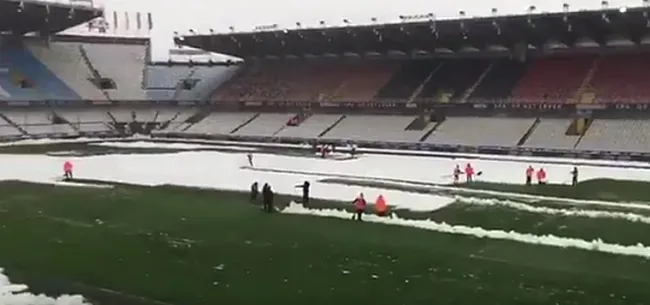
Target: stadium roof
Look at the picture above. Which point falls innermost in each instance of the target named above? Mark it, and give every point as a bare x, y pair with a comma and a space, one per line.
21, 17
589, 29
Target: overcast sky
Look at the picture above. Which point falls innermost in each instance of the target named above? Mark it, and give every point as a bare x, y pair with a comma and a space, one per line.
201, 15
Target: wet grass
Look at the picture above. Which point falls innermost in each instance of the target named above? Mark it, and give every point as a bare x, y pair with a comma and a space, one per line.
195, 247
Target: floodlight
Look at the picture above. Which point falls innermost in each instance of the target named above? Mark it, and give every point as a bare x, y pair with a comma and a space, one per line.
623, 9
604, 4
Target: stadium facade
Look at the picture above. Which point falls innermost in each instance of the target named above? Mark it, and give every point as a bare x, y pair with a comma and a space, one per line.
569, 84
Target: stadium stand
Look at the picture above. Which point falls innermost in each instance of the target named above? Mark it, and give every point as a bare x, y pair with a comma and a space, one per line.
375, 128
478, 131
630, 135
500, 80
87, 121
312, 127
386, 85
453, 79
362, 80
622, 79
265, 125
64, 60
551, 133
25, 78
221, 123
119, 67
404, 82
176, 81
555, 79
38, 123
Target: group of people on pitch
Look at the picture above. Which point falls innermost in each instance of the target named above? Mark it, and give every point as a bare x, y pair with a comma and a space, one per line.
540, 174
360, 204
469, 173
267, 196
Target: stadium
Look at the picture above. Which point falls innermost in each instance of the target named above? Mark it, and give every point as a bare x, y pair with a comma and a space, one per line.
503, 159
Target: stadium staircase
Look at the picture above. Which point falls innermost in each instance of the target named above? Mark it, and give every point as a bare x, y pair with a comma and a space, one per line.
59, 119
439, 119
583, 132
12, 123
332, 126
97, 78
4, 93
586, 82
529, 132
578, 127
147, 60
419, 89
419, 123
471, 89
189, 122
246, 123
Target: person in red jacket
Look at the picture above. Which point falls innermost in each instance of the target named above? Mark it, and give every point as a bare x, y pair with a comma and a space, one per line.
541, 176
469, 172
67, 170
529, 174
359, 206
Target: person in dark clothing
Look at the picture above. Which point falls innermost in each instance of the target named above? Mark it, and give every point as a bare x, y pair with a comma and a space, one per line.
250, 159
255, 190
574, 176
323, 151
267, 194
305, 192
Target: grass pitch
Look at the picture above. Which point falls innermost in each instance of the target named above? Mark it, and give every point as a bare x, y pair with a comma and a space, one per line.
195, 247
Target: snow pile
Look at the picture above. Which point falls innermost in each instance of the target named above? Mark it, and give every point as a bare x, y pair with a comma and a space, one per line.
26, 142
16, 294
182, 146
553, 211
470, 191
546, 240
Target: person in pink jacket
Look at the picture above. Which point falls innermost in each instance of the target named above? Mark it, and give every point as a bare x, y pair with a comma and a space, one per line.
67, 170
469, 172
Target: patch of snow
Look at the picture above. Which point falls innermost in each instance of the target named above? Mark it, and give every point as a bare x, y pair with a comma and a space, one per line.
521, 196
553, 211
16, 294
188, 146
546, 240
77, 184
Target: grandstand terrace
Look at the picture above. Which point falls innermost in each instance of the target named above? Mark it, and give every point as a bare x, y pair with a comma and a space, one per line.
563, 82
457, 83
536, 58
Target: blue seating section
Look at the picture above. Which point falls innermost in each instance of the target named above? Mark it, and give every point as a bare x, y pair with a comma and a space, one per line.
161, 80
20, 63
